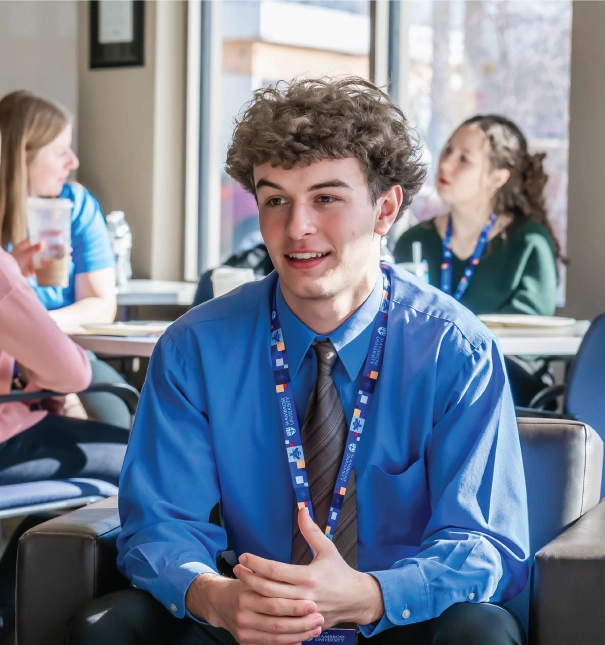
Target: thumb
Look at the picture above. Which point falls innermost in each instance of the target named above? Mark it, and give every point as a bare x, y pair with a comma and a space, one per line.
35, 248
318, 541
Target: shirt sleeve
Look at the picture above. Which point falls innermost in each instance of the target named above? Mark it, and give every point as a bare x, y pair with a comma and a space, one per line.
28, 334
537, 282
91, 246
476, 544
169, 484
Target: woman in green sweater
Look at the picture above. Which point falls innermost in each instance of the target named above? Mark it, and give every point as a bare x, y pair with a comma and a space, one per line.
494, 250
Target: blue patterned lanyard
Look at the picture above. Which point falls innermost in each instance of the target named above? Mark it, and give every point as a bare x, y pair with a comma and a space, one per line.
289, 419
446, 262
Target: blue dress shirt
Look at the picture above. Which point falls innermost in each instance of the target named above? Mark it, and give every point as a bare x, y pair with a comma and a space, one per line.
91, 247
441, 503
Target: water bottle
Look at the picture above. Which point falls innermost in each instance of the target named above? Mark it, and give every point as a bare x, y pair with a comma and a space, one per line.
121, 243
385, 252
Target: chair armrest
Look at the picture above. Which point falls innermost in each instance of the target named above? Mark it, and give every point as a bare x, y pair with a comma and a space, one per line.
542, 414
568, 590
62, 564
125, 392
546, 396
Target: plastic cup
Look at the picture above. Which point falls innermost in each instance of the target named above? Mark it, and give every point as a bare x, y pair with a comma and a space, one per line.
49, 222
225, 279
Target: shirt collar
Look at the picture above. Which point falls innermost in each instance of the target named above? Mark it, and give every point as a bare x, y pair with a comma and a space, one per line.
351, 340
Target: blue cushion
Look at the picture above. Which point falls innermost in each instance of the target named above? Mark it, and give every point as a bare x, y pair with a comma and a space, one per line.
13, 495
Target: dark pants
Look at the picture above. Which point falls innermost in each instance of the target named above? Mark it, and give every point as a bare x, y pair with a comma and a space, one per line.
102, 406
133, 617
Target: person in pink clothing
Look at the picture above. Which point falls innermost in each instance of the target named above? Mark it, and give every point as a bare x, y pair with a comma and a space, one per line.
35, 444
49, 359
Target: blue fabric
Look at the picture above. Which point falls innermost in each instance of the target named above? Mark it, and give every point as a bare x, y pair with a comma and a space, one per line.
28, 493
441, 500
585, 386
91, 247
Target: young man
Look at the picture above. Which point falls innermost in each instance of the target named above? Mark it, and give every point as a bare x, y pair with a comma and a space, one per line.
335, 386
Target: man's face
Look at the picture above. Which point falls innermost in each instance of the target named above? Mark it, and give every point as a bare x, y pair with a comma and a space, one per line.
320, 227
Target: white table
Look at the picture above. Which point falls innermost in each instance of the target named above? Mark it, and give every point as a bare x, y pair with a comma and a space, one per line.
556, 341
563, 341
118, 346
156, 292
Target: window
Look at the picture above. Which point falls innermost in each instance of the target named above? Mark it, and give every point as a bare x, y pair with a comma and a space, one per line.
467, 57
269, 40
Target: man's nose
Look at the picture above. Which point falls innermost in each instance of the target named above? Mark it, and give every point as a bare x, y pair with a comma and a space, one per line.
300, 222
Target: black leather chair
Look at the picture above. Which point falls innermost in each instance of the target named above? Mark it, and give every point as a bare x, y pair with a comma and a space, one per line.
66, 562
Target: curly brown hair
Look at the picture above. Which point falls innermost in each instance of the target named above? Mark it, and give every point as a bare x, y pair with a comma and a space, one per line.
301, 122
523, 194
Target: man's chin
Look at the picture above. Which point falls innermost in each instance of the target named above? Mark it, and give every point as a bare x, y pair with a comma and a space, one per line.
306, 288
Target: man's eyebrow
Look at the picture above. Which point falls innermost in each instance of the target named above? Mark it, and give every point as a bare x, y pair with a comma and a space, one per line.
331, 183
269, 184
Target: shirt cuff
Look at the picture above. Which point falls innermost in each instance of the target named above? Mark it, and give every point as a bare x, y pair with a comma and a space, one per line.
405, 598
176, 584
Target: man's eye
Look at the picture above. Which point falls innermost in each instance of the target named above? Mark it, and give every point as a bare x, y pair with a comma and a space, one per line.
326, 199
276, 201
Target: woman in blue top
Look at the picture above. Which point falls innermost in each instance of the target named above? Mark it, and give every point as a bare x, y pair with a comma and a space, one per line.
36, 161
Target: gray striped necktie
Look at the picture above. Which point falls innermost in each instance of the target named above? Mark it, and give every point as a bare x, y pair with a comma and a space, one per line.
324, 434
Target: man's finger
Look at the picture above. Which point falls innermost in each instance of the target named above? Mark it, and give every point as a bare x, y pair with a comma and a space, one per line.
279, 624
283, 606
266, 587
293, 574
315, 537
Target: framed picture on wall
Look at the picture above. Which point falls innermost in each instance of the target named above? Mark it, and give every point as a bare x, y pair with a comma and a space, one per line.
117, 33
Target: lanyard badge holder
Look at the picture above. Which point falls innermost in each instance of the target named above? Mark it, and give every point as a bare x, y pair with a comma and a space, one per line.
446, 262
291, 430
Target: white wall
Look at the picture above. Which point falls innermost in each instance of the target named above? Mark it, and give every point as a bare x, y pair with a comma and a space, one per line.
132, 138
39, 49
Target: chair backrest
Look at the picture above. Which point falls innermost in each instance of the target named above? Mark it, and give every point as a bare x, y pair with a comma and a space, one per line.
563, 463
585, 383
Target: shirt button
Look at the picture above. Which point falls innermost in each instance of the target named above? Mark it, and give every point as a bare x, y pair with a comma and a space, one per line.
172, 607
471, 596
406, 614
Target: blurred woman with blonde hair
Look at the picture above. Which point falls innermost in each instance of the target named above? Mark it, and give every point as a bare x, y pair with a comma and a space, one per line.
35, 160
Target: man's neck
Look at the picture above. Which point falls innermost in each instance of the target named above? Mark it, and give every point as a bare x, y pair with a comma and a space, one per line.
324, 315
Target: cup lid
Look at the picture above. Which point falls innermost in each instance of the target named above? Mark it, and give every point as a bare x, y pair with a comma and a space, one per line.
49, 202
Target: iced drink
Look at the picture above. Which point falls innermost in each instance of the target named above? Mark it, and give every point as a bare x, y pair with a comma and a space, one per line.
49, 222
225, 279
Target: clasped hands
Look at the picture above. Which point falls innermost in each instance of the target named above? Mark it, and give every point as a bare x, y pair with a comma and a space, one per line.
272, 603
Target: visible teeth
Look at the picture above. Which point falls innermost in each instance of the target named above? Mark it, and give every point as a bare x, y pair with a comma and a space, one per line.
305, 256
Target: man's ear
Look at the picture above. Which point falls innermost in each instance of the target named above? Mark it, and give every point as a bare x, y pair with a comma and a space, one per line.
390, 203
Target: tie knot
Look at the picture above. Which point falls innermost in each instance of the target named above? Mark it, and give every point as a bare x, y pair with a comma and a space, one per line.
326, 354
